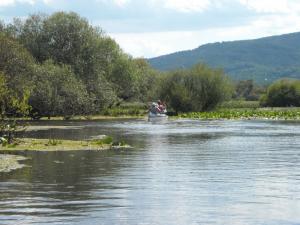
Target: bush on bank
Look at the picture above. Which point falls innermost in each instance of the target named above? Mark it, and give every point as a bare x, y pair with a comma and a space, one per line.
198, 89
282, 93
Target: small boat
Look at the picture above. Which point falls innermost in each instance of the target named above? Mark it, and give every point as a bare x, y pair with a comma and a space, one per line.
157, 116
156, 113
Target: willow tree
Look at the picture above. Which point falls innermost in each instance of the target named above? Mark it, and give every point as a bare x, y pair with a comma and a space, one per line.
11, 105
282, 93
196, 89
16, 63
57, 91
68, 39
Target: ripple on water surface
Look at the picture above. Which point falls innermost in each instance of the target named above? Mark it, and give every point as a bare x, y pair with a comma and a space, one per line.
179, 172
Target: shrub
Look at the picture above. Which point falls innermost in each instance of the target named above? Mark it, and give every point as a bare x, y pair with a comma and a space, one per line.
57, 91
197, 89
282, 93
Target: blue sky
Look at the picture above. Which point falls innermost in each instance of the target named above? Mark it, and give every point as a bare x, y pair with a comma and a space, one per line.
147, 28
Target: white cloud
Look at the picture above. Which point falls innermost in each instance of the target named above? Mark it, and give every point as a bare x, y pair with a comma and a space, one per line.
5, 3
186, 6
120, 3
48, 2
152, 44
272, 18
272, 6
268, 17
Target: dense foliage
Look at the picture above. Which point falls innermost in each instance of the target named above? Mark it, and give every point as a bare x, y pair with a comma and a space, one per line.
11, 103
197, 89
248, 90
282, 93
69, 67
56, 91
262, 60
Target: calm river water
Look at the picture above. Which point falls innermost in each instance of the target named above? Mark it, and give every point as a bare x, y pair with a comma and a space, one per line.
180, 172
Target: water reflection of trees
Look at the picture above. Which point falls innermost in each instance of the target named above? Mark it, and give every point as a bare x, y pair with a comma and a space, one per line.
61, 183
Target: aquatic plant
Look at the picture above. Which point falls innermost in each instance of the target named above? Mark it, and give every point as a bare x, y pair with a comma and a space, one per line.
107, 140
63, 145
53, 142
267, 113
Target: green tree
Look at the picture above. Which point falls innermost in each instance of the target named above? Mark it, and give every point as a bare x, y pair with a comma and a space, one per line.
58, 92
174, 91
197, 89
66, 36
123, 77
2, 26
68, 39
248, 90
10, 105
282, 93
33, 37
94, 63
16, 63
147, 79
4, 95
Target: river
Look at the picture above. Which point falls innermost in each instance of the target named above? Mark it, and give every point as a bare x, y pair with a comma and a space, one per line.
178, 172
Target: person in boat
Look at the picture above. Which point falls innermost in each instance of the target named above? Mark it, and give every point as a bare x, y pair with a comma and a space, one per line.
161, 106
158, 107
154, 108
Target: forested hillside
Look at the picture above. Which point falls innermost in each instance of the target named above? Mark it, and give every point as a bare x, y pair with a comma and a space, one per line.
263, 60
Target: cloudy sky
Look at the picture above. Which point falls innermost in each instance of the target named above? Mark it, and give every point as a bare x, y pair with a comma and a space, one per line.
148, 28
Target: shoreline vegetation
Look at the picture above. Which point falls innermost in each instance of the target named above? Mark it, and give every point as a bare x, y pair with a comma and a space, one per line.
228, 110
246, 114
245, 110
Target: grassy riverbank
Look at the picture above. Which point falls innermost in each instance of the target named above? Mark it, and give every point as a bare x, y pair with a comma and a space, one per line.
26, 144
94, 117
220, 113
123, 111
234, 109
247, 113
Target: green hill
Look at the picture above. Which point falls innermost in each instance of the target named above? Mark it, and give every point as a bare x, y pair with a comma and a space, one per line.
263, 60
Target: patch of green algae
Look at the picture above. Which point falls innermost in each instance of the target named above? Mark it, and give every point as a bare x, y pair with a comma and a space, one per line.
27, 144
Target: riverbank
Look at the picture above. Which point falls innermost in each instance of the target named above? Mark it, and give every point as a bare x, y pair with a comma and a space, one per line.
244, 113
91, 117
10, 162
27, 144
125, 111
249, 110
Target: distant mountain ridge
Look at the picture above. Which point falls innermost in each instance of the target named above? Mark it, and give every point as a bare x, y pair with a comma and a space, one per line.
263, 60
